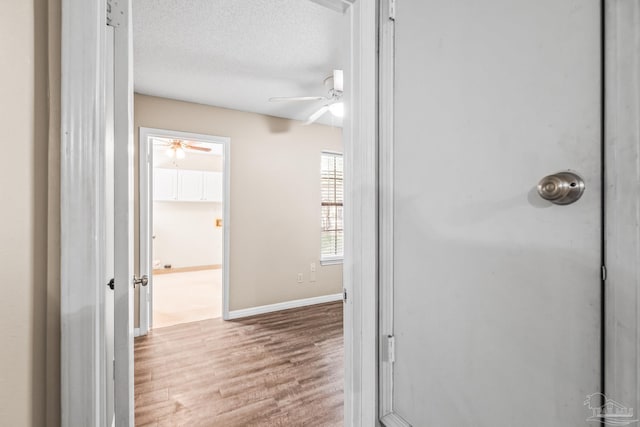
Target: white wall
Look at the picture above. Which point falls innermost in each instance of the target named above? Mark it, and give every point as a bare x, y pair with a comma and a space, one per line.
275, 197
193, 160
186, 234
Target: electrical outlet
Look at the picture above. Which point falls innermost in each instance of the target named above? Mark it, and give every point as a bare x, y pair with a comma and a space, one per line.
300, 277
313, 267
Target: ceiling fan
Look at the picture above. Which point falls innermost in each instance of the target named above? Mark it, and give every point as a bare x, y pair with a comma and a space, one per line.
177, 148
333, 99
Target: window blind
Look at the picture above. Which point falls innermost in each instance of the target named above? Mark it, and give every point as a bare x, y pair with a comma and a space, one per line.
332, 197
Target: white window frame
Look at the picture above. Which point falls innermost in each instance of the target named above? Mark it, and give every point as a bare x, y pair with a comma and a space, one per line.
333, 259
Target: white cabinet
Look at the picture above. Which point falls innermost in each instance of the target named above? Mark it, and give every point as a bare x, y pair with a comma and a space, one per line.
165, 184
186, 185
212, 186
189, 185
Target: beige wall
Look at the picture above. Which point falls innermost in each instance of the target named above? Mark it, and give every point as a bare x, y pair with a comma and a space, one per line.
275, 197
29, 378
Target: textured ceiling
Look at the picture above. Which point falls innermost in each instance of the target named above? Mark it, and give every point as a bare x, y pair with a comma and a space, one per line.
238, 53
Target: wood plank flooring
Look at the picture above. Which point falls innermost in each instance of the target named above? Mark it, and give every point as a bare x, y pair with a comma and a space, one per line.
277, 369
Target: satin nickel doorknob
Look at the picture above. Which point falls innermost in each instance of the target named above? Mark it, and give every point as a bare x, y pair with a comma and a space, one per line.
562, 188
144, 280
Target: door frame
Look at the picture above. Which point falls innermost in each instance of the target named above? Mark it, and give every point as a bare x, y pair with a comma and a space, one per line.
82, 219
145, 180
621, 152
621, 197
83, 381
386, 128
83, 361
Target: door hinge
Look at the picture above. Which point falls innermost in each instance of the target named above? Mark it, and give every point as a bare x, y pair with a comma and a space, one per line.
604, 272
391, 348
344, 294
115, 12
392, 10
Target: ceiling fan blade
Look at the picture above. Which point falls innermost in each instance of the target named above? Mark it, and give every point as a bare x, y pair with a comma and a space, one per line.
315, 116
296, 98
339, 6
338, 80
195, 147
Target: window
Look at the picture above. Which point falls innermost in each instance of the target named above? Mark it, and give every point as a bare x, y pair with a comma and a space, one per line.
332, 234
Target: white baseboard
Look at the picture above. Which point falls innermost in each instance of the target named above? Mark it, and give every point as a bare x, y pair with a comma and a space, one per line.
394, 420
262, 309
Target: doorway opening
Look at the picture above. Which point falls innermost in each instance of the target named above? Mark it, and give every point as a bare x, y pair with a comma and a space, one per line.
87, 41
279, 106
183, 205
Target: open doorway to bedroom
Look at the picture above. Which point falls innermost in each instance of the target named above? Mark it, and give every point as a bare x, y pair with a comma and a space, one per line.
183, 177
269, 77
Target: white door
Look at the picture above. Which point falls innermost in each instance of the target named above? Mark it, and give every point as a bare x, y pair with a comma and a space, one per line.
496, 292
123, 205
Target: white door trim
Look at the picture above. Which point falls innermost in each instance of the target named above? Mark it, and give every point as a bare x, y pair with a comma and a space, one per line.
120, 19
387, 65
83, 105
361, 219
145, 174
622, 201
82, 219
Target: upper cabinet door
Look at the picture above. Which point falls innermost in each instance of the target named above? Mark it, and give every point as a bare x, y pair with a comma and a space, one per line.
212, 191
189, 185
165, 184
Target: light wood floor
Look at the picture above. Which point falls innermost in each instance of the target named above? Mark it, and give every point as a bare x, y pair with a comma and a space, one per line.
277, 369
186, 297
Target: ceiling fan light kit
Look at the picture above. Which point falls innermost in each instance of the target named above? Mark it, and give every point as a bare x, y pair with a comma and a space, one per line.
333, 99
338, 80
178, 153
337, 109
